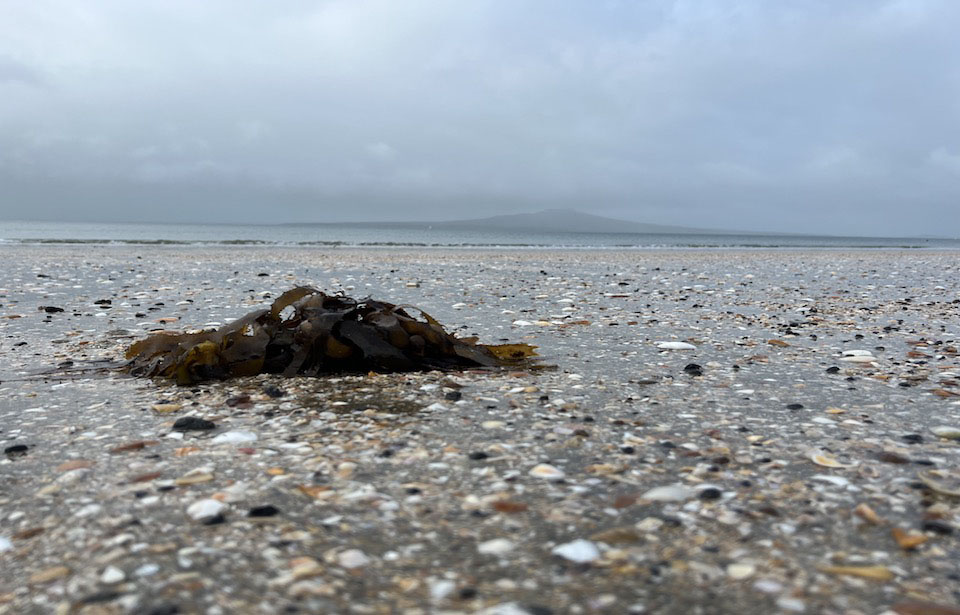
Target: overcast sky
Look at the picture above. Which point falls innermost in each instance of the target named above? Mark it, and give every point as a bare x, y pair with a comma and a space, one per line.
806, 115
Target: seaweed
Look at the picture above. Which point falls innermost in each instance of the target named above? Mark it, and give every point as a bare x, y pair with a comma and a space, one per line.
307, 332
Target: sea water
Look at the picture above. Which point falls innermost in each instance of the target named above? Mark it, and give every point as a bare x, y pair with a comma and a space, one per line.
371, 235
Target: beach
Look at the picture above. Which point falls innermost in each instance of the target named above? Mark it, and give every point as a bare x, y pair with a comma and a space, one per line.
709, 431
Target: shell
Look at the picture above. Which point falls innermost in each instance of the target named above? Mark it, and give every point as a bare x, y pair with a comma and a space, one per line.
944, 482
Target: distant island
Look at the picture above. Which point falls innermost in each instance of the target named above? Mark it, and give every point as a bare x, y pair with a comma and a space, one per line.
548, 220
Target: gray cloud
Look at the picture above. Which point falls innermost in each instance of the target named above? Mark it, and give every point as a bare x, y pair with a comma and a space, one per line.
807, 115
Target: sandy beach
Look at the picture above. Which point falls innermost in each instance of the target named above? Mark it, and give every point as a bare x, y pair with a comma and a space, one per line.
722, 431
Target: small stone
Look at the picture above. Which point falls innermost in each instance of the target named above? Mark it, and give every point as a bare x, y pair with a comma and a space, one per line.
353, 558
478, 455
263, 511
579, 551
710, 493
146, 570
440, 589
891, 457
111, 575
192, 423
912, 438
5, 544
17, 450
274, 392
235, 437
497, 546
202, 510
937, 527
547, 472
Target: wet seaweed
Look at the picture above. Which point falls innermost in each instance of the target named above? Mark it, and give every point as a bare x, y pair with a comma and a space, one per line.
307, 332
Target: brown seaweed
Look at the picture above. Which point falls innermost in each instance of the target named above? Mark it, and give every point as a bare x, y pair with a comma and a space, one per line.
307, 332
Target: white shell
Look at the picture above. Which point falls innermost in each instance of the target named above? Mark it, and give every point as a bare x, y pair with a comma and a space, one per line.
547, 471
946, 431
205, 509
235, 437
675, 346
670, 493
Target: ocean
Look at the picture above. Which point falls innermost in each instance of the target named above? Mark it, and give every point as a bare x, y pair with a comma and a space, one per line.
387, 236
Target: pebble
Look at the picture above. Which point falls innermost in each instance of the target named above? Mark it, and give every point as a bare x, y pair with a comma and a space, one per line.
202, 510
5, 544
353, 558
112, 575
497, 546
579, 551
192, 423
267, 510
234, 437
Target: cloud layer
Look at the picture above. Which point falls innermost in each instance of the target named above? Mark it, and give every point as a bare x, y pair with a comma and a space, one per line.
811, 115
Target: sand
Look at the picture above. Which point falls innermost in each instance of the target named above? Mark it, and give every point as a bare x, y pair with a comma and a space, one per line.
798, 458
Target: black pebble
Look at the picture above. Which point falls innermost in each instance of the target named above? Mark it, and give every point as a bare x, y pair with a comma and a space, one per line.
478, 455
102, 596
467, 593
51, 309
794, 406
937, 527
537, 609
693, 369
453, 395
164, 609
710, 493
215, 520
273, 391
833, 370
17, 450
912, 438
627, 450
267, 510
192, 423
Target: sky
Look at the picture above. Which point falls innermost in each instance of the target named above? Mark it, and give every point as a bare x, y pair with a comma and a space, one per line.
797, 115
